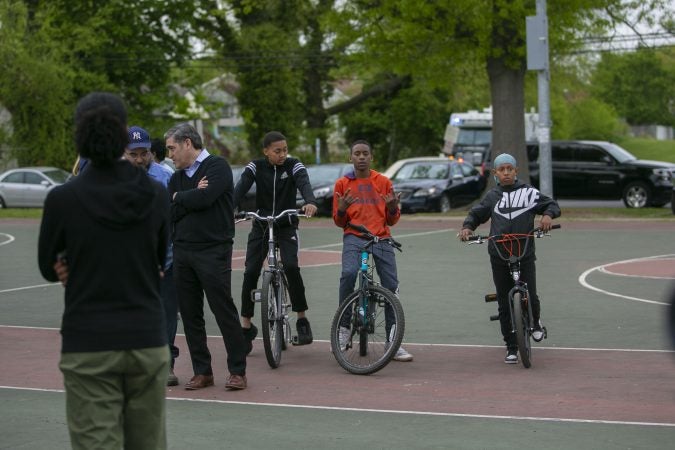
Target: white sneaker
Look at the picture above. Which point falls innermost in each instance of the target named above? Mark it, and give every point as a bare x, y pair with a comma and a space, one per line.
538, 332
402, 355
511, 356
345, 334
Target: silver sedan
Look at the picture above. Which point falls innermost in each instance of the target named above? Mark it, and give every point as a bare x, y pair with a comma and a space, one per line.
27, 187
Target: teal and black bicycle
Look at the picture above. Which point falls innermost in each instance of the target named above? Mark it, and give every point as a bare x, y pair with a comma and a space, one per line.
368, 326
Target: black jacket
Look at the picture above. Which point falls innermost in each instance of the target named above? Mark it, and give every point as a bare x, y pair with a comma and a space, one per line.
512, 210
276, 186
202, 217
112, 224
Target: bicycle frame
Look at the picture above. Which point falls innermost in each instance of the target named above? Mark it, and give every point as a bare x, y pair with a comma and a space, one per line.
519, 286
522, 329
274, 265
366, 274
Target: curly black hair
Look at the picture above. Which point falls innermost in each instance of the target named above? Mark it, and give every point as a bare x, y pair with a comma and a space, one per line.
101, 128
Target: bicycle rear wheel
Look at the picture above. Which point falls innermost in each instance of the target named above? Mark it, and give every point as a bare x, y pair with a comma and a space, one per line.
522, 323
369, 347
272, 323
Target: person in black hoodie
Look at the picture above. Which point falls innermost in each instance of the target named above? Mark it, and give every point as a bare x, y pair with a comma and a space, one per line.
104, 236
277, 177
512, 206
203, 231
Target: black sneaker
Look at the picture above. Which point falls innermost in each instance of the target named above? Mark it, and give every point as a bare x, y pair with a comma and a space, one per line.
304, 332
511, 356
249, 335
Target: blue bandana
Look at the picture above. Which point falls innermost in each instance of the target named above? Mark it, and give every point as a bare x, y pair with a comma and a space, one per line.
505, 158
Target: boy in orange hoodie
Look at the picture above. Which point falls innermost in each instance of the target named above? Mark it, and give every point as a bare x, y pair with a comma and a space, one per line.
366, 197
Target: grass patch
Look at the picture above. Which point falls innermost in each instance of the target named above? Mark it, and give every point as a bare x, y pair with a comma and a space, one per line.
21, 213
645, 148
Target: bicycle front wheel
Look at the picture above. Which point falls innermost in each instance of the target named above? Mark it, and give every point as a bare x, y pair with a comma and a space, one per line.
366, 333
271, 320
521, 322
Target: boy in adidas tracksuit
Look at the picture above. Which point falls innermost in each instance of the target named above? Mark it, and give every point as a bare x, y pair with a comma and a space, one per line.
277, 177
512, 206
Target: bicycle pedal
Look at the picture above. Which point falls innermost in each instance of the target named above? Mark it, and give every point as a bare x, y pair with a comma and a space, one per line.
256, 295
490, 298
495, 317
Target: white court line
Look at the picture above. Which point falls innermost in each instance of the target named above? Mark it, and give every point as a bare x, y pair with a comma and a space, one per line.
392, 411
604, 270
10, 238
425, 344
30, 287
584, 283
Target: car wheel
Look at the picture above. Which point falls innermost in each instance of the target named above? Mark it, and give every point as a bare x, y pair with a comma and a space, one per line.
3, 205
636, 195
444, 203
672, 202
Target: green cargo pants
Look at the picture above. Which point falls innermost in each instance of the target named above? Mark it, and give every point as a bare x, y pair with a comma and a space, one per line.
116, 399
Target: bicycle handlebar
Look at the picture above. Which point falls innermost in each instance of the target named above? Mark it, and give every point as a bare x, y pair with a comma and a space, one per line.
537, 232
248, 215
366, 233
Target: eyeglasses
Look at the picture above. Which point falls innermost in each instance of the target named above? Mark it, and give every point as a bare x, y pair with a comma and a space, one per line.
135, 155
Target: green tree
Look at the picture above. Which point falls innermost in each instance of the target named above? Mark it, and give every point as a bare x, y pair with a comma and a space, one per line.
437, 41
639, 84
409, 122
53, 52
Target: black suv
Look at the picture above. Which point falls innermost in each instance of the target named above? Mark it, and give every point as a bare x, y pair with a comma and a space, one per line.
603, 170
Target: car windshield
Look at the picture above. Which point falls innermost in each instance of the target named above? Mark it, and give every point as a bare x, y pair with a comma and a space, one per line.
324, 174
620, 154
474, 136
58, 175
422, 171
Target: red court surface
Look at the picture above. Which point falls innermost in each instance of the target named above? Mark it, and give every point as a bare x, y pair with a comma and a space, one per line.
563, 384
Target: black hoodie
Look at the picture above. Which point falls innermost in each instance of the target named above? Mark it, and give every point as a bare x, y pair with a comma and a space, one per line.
112, 225
512, 210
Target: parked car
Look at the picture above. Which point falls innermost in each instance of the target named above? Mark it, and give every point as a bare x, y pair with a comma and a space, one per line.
323, 178
248, 202
435, 184
27, 187
603, 170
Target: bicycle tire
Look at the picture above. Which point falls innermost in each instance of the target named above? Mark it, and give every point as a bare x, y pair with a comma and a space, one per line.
521, 323
286, 334
379, 349
271, 330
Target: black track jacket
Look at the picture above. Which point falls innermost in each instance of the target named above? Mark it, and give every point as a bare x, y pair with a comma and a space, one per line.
276, 186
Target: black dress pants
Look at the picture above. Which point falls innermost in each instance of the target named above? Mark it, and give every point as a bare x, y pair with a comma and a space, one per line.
208, 271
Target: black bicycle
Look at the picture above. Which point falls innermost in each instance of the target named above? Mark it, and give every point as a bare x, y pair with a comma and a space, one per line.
520, 308
273, 295
368, 326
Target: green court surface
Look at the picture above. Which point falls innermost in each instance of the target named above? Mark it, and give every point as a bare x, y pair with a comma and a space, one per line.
586, 305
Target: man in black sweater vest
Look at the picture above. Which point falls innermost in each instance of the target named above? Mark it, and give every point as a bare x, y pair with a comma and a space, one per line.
202, 216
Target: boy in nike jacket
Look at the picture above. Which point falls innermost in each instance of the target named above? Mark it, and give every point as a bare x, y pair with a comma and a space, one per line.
277, 178
512, 206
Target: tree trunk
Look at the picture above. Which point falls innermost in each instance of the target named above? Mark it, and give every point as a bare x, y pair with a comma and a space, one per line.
507, 88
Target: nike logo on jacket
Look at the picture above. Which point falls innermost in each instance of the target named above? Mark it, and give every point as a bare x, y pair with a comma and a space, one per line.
517, 202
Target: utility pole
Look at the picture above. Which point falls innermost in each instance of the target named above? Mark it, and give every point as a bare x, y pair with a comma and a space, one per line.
537, 59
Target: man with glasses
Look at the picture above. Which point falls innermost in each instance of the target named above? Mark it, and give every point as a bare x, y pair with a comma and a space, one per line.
138, 153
